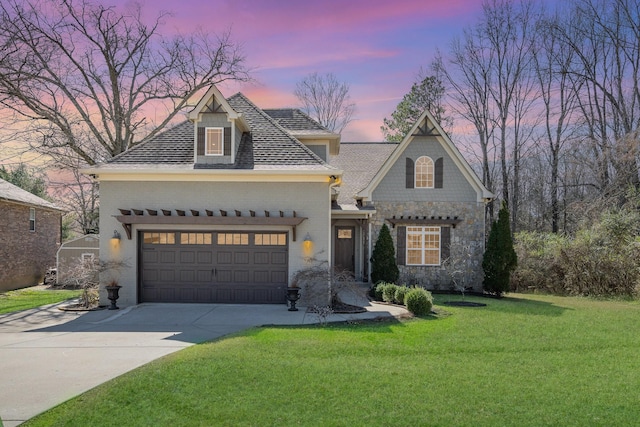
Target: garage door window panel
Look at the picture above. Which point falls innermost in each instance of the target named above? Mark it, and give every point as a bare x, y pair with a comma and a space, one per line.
195, 238
159, 238
233, 239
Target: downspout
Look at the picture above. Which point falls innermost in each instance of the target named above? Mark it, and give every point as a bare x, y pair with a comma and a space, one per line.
369, 251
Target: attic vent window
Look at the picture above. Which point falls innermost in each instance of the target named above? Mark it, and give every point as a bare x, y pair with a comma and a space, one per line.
214, 142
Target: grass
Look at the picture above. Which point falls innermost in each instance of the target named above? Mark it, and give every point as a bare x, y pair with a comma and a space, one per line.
24, 299
523, 361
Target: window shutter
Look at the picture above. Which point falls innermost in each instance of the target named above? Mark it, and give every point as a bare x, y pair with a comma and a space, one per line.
438, 172
445, 243
227, 141
401, 253
200, 150
410, 171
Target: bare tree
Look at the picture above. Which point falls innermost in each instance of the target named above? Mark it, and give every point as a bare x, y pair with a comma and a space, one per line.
327, 100
603, 36
468, 73
558, 93
83, 77
79, 194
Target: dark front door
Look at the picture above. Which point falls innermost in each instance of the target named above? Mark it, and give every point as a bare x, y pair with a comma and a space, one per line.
345, 248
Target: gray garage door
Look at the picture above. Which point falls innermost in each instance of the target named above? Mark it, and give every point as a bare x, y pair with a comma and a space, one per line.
216, 267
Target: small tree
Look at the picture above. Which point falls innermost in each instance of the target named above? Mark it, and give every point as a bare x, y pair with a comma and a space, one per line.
383, 260
500, 258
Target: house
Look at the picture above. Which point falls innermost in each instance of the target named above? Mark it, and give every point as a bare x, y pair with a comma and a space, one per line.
230, 204
75, 253
30, 233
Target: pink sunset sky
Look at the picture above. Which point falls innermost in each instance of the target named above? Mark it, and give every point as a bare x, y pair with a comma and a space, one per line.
376, 46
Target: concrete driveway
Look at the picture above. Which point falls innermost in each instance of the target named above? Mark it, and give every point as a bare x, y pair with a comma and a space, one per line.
49, 356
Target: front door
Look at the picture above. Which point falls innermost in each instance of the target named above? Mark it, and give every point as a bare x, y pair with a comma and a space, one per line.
345, 248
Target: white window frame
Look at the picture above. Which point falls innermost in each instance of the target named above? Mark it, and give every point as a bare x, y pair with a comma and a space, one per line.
424, 166
207, 151
423, 233
32, 219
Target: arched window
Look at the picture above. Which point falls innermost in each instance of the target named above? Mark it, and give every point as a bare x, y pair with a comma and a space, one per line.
424, 172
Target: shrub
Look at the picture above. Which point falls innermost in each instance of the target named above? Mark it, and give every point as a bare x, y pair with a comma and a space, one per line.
419, 301
377, 290
389, 292
540, 266
400, 294
500, 258
383, 259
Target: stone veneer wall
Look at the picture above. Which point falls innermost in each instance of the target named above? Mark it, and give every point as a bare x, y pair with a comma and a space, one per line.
25, 255
469, 232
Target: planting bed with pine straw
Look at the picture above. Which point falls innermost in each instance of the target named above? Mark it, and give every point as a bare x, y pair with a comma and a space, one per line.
522, 360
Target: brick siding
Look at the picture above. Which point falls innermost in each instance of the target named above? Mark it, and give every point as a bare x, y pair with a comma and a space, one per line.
25, 255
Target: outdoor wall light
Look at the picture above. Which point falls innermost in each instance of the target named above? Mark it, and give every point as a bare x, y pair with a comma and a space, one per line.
116, 235
307, 244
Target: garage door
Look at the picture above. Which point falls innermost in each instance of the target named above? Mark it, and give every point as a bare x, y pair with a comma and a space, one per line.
215, 267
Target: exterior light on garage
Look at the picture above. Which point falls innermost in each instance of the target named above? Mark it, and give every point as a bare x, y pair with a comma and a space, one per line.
115, 241
307, 244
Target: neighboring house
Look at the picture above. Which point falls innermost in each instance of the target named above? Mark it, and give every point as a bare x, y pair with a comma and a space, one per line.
76, 254
30, 230
229, 205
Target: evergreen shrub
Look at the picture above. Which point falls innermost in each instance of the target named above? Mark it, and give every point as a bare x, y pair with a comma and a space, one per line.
400, 294
383, 259
419, 301
389, 292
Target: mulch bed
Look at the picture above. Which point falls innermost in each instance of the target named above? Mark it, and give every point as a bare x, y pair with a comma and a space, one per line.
464, 304
78, 307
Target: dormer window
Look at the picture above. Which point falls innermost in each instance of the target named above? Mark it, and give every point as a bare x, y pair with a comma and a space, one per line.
214, 142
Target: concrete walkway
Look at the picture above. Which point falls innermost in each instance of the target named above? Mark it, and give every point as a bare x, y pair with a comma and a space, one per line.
49, 356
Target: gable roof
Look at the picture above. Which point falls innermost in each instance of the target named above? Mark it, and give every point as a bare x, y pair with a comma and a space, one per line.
214, 93
13, 193
359, 162
267, 145
483, 194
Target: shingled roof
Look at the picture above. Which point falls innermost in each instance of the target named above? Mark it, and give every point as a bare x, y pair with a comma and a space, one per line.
295, 120
173, 146
268, 145
272, 145
15, 194
359, 162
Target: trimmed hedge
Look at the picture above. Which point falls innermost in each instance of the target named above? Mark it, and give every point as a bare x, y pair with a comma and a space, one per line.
389, 292
419, 301
401, 293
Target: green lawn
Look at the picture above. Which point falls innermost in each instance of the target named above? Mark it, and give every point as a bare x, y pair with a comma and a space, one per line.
523, 360
23, 299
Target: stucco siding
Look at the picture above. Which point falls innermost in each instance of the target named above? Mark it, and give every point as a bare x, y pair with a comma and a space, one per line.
455, 185
311, 200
